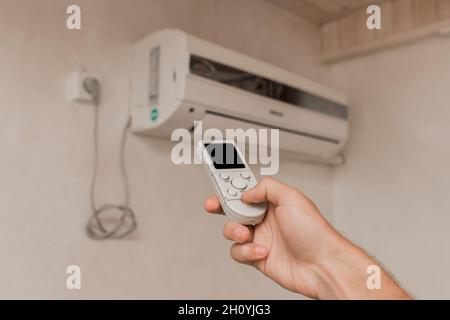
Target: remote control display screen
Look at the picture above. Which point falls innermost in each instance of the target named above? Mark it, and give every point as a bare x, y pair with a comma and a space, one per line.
224, 156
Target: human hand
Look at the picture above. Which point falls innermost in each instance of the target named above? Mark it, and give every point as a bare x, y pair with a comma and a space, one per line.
295, 246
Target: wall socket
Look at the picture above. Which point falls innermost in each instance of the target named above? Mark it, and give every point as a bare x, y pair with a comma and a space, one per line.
75, 90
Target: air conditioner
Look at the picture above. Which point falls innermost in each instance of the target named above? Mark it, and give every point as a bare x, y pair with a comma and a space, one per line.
178, 78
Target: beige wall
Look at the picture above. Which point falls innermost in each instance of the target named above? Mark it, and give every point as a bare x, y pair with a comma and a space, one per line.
392, 196
46, 158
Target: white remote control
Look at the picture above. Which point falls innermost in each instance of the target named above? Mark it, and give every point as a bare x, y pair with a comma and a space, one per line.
230, 175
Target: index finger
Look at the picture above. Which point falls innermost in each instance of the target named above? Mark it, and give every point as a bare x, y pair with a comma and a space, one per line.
212, 205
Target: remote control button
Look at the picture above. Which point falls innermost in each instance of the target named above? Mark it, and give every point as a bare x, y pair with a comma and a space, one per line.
232, 192
245, 175
224, 176
239, 184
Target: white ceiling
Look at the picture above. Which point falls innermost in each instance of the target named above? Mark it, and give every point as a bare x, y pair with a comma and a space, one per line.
322, 11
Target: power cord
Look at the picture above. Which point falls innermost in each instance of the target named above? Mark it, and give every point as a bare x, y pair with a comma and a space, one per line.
103, 225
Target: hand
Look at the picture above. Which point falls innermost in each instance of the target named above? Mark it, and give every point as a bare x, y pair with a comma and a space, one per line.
287, 245
296, 247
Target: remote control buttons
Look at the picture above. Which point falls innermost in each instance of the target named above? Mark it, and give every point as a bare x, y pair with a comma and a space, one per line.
245, 175
224, 176
232, 192
239, 184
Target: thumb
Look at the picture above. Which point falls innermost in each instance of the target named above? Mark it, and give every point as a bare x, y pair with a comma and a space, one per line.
268, 189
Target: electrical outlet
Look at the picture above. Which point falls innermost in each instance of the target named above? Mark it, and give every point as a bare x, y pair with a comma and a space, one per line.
75, 90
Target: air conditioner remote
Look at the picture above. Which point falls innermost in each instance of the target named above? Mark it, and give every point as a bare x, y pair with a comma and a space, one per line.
231, 176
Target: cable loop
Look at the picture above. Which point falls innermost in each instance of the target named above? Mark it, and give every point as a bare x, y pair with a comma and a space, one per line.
96, 226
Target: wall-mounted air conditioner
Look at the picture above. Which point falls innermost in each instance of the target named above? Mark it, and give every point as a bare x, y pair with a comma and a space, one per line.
178, 78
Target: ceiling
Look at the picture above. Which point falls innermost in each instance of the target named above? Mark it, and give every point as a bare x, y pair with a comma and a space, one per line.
322, 11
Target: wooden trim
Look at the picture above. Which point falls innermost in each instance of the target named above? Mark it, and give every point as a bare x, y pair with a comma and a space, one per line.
403, 21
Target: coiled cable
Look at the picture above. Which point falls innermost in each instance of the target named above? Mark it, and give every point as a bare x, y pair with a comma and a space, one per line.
102, 224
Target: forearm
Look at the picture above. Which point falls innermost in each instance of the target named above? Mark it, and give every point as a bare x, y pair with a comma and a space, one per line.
343, 274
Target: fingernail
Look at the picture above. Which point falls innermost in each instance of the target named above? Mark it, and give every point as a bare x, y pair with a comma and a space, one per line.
260, 251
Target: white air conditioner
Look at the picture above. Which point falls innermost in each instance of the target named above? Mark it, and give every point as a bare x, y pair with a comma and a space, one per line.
178, 78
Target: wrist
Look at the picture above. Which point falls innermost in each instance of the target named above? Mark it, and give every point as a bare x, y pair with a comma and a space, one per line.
330, 267
342, 273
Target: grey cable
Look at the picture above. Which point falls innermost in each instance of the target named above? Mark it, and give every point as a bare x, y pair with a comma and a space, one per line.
95, 227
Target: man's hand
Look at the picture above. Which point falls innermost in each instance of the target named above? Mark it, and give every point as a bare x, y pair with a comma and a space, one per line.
297, 248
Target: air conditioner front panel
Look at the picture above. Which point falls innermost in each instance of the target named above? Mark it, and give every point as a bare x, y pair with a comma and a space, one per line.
231, 101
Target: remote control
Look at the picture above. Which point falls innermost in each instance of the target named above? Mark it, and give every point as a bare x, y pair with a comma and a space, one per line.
231, 176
